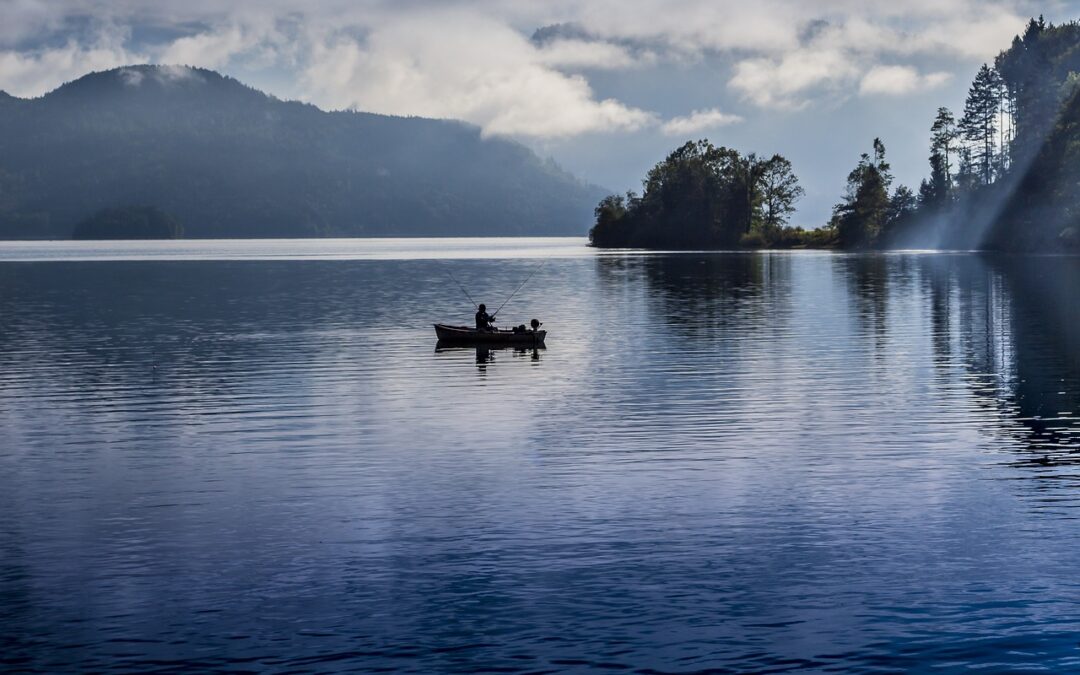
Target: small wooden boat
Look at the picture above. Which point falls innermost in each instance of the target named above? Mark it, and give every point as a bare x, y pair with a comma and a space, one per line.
466, 335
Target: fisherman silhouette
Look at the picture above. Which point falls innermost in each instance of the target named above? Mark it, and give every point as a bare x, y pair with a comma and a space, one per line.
483, 319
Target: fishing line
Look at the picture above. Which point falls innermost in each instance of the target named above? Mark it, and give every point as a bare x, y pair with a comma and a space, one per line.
462, 288
535, 270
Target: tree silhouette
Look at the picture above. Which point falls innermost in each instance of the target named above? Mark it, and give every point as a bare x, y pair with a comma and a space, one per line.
863, 214
943, 135
1007, 175
979, 124
780, 190
702, 196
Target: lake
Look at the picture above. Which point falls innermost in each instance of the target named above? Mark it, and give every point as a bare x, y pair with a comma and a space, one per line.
250, 456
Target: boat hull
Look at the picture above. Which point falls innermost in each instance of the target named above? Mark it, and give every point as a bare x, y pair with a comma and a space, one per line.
465, 335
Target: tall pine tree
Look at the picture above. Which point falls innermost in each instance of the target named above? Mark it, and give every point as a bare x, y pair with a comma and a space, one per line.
943, 136
980, 122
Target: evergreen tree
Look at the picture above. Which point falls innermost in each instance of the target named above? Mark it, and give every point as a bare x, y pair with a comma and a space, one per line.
967, 174
902, 208
937, 191
980, 122
1021, 131
902, 205
1028, 73
943, 134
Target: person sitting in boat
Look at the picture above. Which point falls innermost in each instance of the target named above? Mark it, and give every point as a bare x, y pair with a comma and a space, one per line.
483, 319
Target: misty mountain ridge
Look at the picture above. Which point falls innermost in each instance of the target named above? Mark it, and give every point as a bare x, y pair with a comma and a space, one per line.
230, 161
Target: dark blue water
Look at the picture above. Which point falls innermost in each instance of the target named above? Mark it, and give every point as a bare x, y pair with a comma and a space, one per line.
251, 457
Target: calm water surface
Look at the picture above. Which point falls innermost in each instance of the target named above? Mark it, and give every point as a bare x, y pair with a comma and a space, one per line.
250, 456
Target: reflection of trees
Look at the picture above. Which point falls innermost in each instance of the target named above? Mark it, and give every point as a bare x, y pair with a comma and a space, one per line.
1017, 329
1008, 329
1045, 326
1012, 324
966, 306
692, 326
867, 277
707, 294
936, 285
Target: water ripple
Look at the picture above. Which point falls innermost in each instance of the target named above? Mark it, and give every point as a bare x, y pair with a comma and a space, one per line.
242, 457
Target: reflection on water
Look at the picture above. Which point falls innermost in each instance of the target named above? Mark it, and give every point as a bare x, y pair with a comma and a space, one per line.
721, 462
485, 354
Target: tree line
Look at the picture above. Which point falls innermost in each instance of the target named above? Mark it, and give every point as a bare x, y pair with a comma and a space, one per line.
1004, 173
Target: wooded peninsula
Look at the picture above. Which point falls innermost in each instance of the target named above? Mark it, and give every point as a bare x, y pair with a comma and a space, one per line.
1004, 175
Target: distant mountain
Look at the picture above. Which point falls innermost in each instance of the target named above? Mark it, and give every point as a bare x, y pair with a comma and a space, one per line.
229, 161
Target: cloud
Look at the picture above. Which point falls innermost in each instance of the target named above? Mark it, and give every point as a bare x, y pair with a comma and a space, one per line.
34, 72
685, 27
784, 82
462, 66
899, 80
698, 120
977, 36
970, 29
26, 18
207, 50
837, 55
576, 53
134, 77
473, 61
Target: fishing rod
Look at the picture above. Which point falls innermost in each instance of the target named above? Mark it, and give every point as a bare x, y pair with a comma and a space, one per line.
535, 270
459, 285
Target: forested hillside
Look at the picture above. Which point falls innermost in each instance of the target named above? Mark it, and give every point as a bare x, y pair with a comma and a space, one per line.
1004, 171
229, 161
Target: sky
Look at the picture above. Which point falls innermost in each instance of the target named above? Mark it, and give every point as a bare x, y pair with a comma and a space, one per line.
605, 87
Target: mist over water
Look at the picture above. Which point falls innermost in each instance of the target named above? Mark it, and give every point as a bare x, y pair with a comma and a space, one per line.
234, 459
